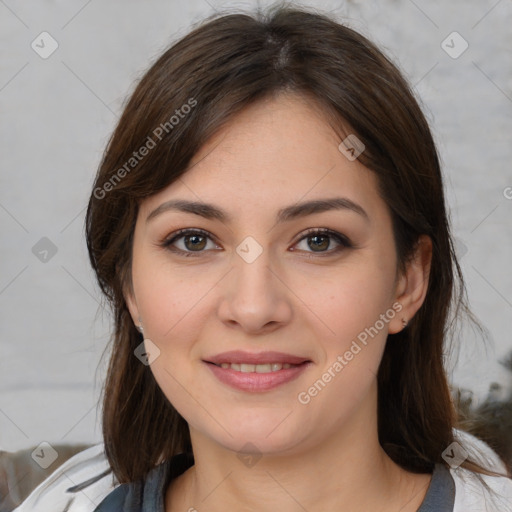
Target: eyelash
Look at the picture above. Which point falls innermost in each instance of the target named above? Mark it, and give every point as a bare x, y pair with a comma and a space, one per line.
338, 237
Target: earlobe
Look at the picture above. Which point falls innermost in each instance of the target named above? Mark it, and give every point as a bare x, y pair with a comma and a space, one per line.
413, 285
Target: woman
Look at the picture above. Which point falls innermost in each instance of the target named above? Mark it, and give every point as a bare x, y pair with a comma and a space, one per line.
269, 225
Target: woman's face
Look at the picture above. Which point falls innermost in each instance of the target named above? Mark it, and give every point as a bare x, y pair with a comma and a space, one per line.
257, 279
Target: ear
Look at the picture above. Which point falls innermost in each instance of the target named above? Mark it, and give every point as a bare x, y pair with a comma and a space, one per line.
412, 286
131, 303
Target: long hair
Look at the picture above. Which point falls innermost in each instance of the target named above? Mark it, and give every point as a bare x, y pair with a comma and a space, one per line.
226, 63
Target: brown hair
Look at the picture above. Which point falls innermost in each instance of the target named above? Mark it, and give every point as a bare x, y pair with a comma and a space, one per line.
223, 65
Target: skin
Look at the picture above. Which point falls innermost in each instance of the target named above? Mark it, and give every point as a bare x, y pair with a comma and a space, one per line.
274, 154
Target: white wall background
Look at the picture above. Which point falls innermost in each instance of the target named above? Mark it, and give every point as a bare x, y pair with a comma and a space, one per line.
56, 116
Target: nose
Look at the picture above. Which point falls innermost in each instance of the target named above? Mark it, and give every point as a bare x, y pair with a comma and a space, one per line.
254, 296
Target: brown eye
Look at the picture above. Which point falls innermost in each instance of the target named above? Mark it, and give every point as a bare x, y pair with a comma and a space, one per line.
319, 241
194, 242
188, 241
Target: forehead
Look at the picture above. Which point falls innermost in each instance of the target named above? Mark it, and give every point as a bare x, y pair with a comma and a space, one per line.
276, 152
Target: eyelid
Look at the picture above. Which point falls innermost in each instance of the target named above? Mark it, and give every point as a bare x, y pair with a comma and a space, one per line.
167, 242
342, 240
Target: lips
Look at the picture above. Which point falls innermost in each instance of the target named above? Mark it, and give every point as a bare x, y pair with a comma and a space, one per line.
256, 371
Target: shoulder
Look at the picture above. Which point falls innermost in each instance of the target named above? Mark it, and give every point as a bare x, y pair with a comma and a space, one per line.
79, 485
476, 493
85, 480
487, 493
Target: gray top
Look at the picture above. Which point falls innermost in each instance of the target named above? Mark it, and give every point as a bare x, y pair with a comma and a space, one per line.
149, 496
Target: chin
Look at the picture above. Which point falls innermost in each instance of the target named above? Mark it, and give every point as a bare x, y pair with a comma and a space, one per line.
260, 445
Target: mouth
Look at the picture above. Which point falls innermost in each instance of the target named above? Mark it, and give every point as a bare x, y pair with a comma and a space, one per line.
256, 371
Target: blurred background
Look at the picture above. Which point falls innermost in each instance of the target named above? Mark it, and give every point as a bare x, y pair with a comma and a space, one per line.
66, 69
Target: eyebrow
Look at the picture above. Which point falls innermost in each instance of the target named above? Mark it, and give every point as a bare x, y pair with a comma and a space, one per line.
210, 211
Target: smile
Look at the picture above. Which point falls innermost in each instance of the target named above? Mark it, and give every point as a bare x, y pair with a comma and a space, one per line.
256, 377
257, 368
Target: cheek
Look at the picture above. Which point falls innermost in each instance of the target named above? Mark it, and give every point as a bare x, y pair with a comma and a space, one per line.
172, 309
168, 301
349, 301
356, 309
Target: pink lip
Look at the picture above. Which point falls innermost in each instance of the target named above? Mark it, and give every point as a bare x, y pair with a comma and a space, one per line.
254, 381
239, 356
